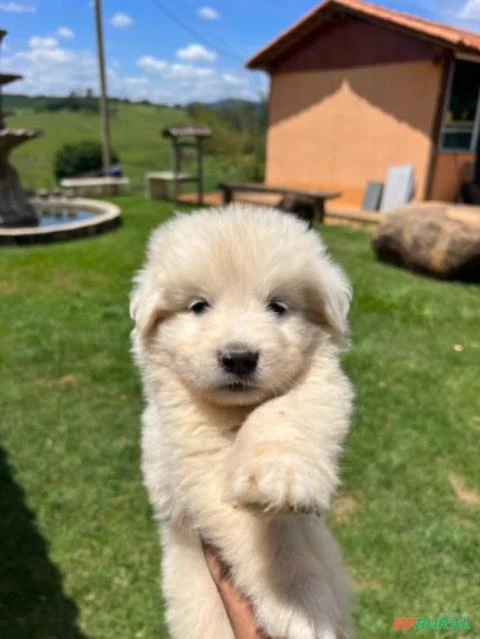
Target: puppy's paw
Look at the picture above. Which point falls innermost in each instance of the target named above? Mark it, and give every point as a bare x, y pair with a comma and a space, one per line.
275, 478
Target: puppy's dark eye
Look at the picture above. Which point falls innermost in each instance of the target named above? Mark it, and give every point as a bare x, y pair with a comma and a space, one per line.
277, 307
198, 306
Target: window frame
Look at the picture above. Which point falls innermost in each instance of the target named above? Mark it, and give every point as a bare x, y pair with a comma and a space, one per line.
447, 100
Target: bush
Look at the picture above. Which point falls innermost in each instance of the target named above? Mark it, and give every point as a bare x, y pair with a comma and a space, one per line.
79, 158
238, 133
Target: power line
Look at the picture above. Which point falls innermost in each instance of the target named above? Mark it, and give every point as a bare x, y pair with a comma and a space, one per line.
210, 35
196, 34
208, 40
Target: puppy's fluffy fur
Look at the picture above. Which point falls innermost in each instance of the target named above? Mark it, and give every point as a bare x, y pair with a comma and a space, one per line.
248, 466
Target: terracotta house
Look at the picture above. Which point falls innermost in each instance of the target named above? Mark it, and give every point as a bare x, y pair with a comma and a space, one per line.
356, 88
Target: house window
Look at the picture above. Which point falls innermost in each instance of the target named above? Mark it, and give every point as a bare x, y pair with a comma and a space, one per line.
462, 115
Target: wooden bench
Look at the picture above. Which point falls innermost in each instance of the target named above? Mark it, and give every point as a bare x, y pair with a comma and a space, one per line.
95, 185
318, 197
157, 183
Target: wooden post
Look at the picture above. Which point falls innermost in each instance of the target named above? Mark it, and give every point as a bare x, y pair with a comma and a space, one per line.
319, 213
177, 167
104, 125
227, 193
2, 121
200, 169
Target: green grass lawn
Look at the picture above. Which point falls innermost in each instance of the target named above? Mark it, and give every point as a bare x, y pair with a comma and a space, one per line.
135, 134
135, 131
79, 553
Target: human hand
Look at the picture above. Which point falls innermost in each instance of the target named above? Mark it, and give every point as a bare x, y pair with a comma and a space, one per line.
238, 609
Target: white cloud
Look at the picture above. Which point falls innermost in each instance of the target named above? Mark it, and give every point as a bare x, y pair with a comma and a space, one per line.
37, 42
207, 13
229, 78
194, 83
121, 20
64, 32
470, 10
50, 68
196, 53
173, 70
149, 63
188, 71
14, 7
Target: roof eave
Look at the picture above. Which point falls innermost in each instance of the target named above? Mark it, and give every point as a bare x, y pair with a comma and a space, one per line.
266, 56
290, 36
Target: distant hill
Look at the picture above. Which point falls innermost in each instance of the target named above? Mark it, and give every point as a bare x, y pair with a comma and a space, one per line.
230, 104
38, 103
16, 101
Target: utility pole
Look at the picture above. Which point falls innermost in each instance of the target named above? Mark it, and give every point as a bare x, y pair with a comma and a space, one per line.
104, 125
2, 123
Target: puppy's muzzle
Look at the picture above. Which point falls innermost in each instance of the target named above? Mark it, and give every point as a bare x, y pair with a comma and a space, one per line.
238, 360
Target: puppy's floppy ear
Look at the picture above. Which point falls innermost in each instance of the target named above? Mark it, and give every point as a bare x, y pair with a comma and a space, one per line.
146, 308
330, 297
148, 305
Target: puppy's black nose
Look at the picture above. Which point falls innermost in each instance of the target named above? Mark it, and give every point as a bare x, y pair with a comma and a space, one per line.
239, 361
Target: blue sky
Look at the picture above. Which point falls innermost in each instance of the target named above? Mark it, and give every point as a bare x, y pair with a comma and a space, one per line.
171, 51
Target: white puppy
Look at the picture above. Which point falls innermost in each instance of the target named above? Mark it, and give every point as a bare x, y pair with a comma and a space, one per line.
239, 315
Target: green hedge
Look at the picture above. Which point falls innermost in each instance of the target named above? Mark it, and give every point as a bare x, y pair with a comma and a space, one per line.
78, 158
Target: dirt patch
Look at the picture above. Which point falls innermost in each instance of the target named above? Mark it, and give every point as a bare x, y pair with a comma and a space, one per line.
364, 582
8, 287
42, 381
464, 494
467, 523
344, 507
68, 380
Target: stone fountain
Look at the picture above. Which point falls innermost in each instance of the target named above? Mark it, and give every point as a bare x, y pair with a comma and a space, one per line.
15, 209
41, 220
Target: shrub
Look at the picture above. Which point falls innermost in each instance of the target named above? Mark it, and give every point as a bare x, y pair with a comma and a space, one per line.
79, 158
238, 132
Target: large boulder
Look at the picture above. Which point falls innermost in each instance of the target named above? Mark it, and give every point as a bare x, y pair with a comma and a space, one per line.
434, 238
